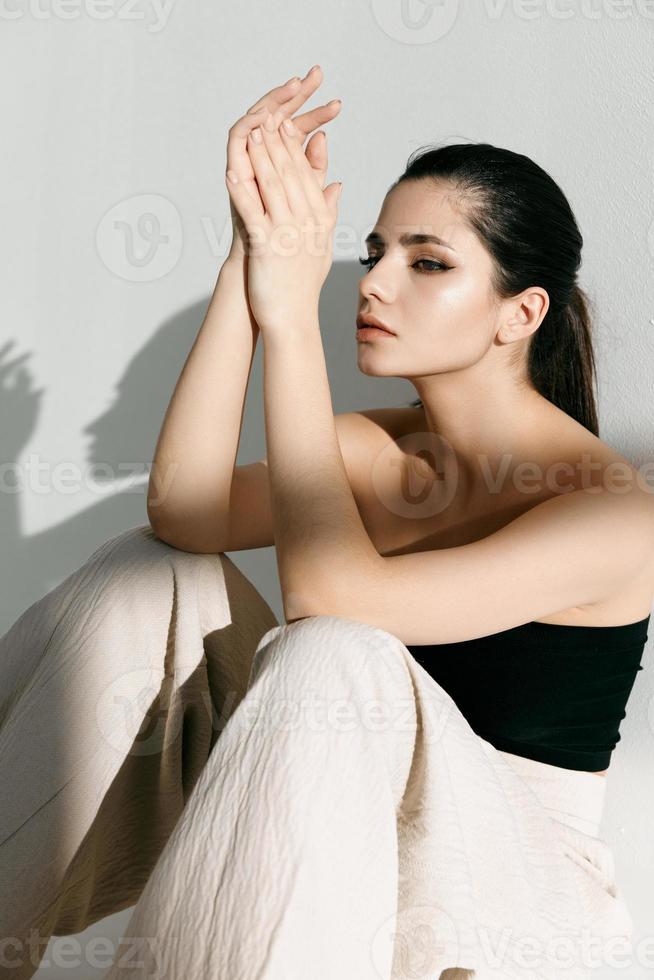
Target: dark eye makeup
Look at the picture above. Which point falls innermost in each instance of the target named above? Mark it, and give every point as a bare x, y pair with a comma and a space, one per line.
372, 259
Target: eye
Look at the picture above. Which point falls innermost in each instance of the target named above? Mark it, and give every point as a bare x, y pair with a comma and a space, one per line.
369, 261
439, 265
372, 259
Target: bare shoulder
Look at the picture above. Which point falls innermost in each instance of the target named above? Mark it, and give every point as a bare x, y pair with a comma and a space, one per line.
370, 437
391, 422
568, 456
630, 505
379, 426
364, 433
616, 474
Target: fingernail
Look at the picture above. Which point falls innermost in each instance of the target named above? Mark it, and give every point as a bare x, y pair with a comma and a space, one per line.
256, 135
289, 126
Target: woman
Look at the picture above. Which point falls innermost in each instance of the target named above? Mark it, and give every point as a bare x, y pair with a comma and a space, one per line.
440, 582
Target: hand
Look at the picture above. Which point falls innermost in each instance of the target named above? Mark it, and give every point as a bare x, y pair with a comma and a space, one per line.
289, 228
282, 102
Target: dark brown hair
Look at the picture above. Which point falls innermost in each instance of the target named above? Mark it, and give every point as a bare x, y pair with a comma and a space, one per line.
525, 222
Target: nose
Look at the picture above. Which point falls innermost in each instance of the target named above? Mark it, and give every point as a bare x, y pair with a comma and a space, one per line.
375, 282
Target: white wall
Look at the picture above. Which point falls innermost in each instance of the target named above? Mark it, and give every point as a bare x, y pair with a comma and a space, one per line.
110, 104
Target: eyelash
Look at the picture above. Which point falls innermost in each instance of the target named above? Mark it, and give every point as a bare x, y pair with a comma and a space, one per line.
375, 258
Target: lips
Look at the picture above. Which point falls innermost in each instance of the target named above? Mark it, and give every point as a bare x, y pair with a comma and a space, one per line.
369, 320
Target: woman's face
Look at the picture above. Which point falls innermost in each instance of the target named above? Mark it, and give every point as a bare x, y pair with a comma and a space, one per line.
437, 300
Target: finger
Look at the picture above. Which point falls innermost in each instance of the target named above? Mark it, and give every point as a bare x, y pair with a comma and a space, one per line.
292, 94
237, 158
316, 148
284, 99
291, 139
271, 187
249, 210
286, 94
287, 98
286, 169
332, 195
277, 95
316, 153
306, 122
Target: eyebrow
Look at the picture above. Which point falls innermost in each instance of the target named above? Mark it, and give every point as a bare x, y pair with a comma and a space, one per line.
374, 238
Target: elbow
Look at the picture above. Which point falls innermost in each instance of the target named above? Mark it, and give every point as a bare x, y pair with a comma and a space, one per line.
185, 534
164, 533
174, 535
158, 517
158, 523
309, 602
296, 606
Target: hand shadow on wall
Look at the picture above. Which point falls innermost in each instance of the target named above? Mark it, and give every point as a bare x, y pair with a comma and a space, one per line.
125, 435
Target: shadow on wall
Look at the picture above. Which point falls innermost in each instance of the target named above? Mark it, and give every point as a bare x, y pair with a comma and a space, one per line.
124, 437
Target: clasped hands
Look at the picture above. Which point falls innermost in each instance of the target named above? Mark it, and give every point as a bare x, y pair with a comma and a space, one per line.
289, 224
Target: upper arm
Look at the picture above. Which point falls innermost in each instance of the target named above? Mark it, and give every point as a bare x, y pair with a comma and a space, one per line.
572, 549
250, 523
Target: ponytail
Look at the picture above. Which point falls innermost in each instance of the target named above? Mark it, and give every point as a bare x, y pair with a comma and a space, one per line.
561, 361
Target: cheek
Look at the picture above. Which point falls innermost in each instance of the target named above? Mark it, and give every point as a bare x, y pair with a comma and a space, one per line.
462, 295
454, 319
461, 303
447, 301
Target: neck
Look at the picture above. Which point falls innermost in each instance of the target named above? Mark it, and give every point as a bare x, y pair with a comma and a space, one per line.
484, 427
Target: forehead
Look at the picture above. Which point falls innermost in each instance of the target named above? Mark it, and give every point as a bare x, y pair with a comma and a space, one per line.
423, 207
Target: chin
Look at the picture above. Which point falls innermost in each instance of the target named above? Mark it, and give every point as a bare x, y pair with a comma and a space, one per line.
375, 371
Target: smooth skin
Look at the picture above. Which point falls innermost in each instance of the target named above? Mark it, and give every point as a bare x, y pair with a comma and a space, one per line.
289, 227
541, 556
198, 500
282, 102
327, 562
243, 506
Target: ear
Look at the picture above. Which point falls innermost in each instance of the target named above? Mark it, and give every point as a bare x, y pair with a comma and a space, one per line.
527, 313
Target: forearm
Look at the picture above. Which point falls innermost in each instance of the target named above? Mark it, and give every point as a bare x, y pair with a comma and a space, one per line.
319, 534
196, 451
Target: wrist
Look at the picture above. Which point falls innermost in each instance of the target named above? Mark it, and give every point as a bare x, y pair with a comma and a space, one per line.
294, 330
235, 262
233, 276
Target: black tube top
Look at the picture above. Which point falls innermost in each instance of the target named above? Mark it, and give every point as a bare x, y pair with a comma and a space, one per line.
550, 692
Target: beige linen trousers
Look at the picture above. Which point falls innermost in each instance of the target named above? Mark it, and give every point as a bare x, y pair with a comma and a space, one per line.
277, 802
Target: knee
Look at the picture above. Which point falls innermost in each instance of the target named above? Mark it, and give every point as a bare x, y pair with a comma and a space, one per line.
335, 651
331, 673
140, 546
145, 539
139, 567
224, 595
339, 635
